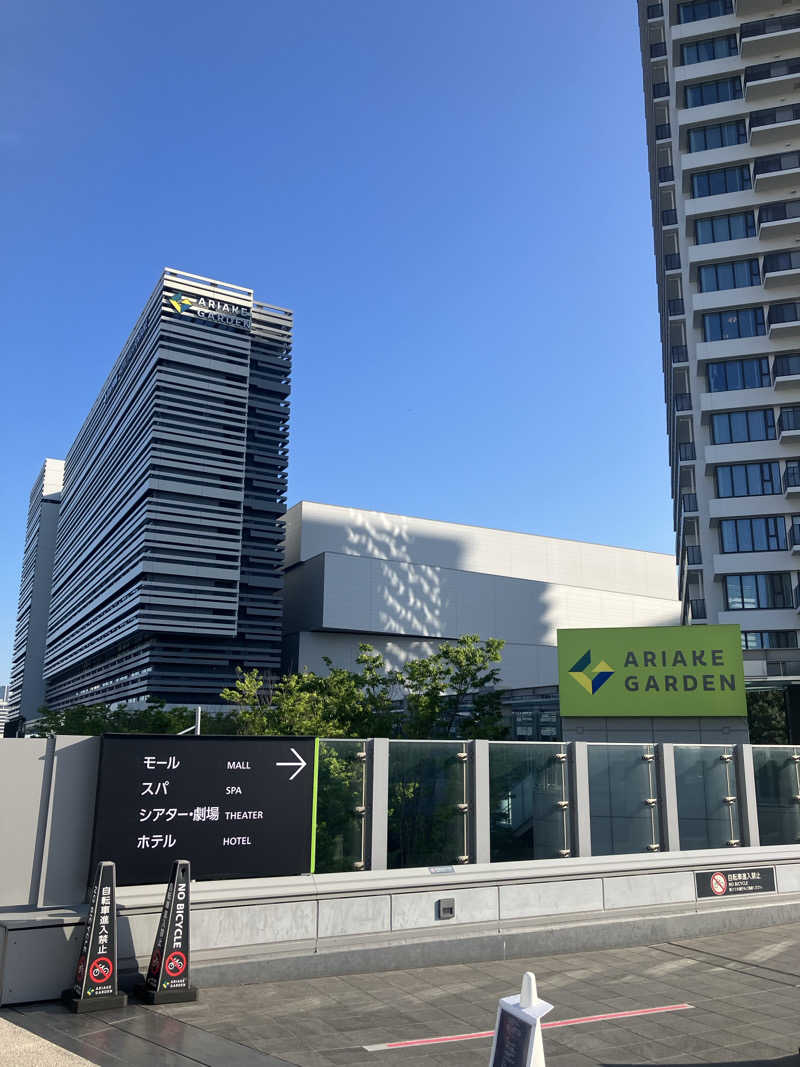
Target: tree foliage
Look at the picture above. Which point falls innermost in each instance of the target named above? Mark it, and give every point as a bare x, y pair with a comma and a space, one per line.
766, 717
154, 718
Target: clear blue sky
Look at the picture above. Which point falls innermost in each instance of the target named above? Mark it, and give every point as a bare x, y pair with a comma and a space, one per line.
452, 196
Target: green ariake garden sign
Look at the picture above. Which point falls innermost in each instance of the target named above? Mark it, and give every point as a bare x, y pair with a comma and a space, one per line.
651, 670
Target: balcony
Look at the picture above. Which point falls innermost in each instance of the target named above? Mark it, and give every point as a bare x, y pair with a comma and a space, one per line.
797, 597
657, 49
655, 11
774, 124
688, 503
694, 556
675, 308
682, 401
669, 217
776, 172
788, 424
781, 219
766, 79
786, 370
679, 354
672, 261
747, 9
791, 478
663, 131
780, 269
784, 319
697, 608
794, 538
686, 451
660, 90
665, 175
768, 36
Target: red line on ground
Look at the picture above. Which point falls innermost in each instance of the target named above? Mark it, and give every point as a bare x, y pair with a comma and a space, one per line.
552, 1025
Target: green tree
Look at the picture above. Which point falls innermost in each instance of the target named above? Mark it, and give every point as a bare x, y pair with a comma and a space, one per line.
766, 717
438, 687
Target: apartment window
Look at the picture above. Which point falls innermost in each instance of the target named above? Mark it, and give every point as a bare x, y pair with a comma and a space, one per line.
704, 9
718, 135
767, 534
773, 164
715, 92
786, 366
790, 209
730, 427
724, 180
725, 228
710, 48
738, 374
727, 325
746, 592
739, 274
769, 639
748, 479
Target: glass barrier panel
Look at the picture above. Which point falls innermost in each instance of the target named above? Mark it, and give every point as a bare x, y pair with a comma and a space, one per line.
428, 803
529, 790
708, 811
623, 799
777, 773
341, 806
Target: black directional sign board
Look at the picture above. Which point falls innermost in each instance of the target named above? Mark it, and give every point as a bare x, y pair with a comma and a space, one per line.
235, 807
731, 882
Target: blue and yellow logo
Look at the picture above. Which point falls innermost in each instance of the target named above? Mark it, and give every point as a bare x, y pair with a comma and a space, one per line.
591, 678
180, 302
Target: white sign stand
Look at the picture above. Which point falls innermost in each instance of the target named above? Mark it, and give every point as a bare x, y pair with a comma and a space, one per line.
529, 1009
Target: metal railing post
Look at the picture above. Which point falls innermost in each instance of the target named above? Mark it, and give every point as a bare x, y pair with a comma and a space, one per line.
746, 793
579, 785
378, 769
668, 796
481, 803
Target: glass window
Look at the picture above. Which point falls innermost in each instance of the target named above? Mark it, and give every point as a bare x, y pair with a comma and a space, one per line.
703, 9
748, 479
769, 639
748, 592
710, 48
725, 180
735, 426
726, 325
725, 228
738, 274
719, 135
762, 534
714, 92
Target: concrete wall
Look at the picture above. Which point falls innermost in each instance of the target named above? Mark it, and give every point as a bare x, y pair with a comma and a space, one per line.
403, 584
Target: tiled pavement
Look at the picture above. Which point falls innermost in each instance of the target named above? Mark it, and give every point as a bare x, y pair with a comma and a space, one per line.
744, 990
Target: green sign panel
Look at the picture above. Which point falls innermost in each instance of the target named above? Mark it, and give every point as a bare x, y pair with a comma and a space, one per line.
651, 670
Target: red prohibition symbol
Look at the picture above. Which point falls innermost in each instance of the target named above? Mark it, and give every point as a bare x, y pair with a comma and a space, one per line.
719, 883
175, 964
101, 970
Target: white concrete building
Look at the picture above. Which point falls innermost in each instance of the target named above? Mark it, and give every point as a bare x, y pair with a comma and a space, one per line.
722, 104
404, 584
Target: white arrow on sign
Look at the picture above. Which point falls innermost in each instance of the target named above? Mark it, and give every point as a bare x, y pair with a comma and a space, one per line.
300, 764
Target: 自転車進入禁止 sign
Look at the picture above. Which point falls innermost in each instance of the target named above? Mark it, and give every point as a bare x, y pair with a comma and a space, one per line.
731, 882
651, 671
235, 807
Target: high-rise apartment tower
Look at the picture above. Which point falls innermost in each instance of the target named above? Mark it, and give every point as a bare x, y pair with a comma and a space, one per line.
722, 102
168, 557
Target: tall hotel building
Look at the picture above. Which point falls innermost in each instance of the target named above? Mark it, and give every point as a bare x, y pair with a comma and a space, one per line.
167, 570
722, 102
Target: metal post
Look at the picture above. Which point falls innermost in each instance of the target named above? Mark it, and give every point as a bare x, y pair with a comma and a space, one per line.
378, 762
481, 845
579, 787
197, 716
746, 794
668, 796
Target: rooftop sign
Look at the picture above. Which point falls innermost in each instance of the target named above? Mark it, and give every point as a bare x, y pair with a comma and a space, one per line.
651, 671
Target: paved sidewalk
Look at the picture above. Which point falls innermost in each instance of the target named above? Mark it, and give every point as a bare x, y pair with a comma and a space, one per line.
744, 992
21, 1048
